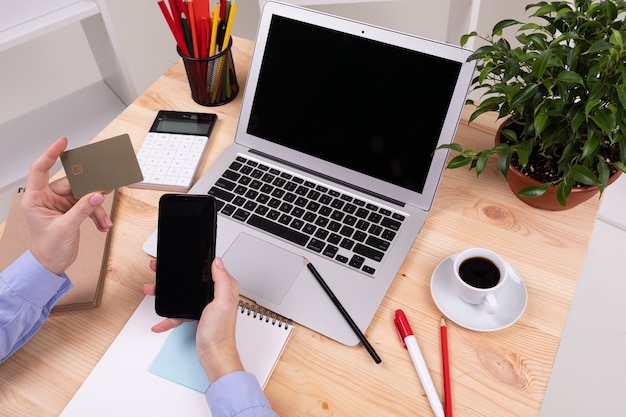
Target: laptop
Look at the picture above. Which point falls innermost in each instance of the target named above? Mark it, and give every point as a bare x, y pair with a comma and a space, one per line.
334, 160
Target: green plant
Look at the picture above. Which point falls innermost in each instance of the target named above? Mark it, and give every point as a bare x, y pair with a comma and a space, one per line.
562, 92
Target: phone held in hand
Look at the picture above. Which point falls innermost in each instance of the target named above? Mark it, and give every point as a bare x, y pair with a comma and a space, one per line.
185, 250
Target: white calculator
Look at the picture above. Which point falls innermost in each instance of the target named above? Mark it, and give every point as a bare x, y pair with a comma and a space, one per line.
173, 149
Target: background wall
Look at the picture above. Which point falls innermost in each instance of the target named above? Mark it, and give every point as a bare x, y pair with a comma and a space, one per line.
60, 63
148, 47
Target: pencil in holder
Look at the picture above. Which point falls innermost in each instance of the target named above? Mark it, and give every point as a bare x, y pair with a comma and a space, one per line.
212, 80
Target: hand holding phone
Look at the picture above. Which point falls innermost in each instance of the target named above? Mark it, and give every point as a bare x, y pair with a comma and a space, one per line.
185, 251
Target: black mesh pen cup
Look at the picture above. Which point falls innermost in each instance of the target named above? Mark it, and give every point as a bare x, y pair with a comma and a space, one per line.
212, 80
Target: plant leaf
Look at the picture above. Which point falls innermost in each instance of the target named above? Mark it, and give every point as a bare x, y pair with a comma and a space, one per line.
534, 190
484, 73
577, 121
480, 52
478, 112
605, 119
511, 69
466, 37
540, 123
562, 191
564, 9
524, 95
504, 160
604, 172
523, 156
481, 162
454, 146
590, 147
509, 134
570, 77
584, 175
541, 63
565, 37
530, 26
621, 93
590, 105
544, 9
539, 39
497, 29
599, 46
458, 161
616, 38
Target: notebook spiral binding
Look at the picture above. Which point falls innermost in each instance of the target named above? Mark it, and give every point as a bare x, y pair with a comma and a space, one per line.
264, 314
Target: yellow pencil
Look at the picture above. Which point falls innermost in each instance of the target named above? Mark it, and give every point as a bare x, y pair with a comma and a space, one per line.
214, 24
229, 25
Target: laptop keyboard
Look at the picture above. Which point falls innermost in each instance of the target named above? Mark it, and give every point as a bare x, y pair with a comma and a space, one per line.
314, 216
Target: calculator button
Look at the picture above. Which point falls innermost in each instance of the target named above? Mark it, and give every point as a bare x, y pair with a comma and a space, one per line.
170, 161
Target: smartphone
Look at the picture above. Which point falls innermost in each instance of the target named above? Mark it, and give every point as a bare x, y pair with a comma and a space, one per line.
185, 250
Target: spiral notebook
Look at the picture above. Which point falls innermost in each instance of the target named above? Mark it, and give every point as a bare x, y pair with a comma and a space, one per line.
125, 383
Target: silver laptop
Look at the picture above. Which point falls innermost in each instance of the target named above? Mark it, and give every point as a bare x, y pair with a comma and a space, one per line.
334, 161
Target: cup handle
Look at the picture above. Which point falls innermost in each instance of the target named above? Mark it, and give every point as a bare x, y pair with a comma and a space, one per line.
491, 304
513, 274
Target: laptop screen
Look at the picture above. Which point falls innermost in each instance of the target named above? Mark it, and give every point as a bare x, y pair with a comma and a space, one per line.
365, 105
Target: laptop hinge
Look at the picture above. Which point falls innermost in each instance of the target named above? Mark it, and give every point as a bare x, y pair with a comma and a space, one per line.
328, 178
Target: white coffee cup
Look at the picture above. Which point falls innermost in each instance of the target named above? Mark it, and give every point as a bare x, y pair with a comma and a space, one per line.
478, 276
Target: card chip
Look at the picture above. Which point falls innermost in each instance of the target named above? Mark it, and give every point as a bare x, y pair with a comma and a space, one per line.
77, 169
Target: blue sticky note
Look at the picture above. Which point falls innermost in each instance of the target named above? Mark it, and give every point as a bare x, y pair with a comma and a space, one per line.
178, 361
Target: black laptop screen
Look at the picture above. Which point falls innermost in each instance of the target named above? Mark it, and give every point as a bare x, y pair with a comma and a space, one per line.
372, 107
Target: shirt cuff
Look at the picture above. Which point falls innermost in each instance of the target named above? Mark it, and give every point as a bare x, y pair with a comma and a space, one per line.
235, 393
33, 282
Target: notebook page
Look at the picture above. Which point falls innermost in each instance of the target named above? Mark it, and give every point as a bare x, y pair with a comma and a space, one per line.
120, 385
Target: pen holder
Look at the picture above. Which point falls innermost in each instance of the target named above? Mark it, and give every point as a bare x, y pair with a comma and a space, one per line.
212, 80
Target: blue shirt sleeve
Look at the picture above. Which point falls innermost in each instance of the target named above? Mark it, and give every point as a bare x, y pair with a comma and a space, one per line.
28, 291
238, 394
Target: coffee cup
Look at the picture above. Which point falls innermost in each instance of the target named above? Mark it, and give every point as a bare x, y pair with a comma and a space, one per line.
478, 276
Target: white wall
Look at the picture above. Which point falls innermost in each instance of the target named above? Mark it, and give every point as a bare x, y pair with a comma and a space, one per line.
419, 17
38, 72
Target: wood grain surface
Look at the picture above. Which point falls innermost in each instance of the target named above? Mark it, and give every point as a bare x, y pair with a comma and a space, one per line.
502, 373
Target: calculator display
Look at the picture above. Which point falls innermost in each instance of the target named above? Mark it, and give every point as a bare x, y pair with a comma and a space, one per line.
183, 122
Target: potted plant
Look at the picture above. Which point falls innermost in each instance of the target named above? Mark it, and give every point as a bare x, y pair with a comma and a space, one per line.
561, 94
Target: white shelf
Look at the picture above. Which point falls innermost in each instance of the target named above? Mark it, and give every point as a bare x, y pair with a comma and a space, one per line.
39, 25
80, 116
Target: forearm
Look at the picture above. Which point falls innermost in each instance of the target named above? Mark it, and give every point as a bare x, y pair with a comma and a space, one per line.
238, 394
28, 291
220, 360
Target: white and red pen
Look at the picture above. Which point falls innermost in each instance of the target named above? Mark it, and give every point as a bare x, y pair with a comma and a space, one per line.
410, 343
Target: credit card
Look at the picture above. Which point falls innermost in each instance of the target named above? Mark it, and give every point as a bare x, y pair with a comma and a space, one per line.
101, 166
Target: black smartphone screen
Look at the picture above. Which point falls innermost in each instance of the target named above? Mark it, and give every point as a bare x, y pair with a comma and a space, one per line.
185, 251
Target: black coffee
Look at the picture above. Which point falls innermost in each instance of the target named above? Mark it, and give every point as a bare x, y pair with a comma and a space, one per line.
479, 272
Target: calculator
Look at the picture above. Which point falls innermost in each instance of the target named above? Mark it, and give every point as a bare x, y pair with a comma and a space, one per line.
173, 149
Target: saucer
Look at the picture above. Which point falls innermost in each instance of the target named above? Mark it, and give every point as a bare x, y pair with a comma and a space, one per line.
512, 299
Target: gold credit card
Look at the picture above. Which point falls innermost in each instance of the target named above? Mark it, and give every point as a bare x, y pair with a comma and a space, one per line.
101, 166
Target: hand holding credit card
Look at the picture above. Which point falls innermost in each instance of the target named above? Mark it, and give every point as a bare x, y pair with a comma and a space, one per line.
101, 166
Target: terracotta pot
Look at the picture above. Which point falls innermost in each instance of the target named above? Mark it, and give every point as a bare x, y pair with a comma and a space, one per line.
548, 201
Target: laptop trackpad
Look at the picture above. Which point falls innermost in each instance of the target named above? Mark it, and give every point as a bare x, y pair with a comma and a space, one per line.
262, 268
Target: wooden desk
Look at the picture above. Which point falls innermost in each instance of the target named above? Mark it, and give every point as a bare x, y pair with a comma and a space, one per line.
503, 373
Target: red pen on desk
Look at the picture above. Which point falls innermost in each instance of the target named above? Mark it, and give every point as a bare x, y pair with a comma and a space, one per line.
410, 343
446, 368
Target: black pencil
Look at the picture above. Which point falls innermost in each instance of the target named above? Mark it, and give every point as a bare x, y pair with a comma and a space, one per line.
343, 311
